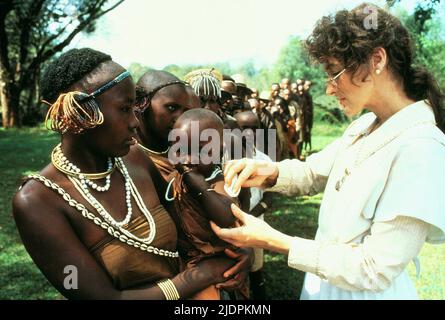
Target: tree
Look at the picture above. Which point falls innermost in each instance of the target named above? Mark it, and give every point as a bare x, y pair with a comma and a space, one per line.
294, 63
31, 33
427, 31
181, 71
137, 70
423, 12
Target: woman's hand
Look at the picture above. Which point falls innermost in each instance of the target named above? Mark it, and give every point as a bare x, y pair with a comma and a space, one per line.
251, 173
237, 274
230, 272
253, 232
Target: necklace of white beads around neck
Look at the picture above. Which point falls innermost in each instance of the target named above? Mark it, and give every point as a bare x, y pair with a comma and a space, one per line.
118, 234
61, 163
82, 183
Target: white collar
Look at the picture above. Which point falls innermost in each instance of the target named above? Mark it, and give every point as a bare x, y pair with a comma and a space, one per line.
413, 115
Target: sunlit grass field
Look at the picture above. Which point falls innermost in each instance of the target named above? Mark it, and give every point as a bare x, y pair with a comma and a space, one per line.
28, 149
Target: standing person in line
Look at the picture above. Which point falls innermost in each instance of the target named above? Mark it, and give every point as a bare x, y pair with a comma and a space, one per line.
260, 202
308, 115
206, 84
383, 180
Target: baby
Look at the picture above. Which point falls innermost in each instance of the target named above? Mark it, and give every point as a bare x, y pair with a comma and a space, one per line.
198, 189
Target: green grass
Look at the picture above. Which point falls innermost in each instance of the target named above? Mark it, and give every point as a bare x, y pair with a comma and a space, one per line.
298, 217
27, 150
22, 151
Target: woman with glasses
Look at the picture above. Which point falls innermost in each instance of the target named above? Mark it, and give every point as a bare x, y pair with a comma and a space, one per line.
383, 180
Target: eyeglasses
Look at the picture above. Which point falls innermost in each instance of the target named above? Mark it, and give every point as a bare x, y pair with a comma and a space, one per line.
333, 79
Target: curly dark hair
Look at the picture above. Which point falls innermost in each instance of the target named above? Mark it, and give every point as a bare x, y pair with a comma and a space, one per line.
68, 69
343, 36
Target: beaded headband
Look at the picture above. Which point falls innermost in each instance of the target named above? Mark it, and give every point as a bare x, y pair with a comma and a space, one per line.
105, 87
143, 99
76, 111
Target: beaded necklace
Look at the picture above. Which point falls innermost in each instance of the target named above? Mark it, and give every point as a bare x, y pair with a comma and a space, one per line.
103, 224
131, 190
82, 183
108, 222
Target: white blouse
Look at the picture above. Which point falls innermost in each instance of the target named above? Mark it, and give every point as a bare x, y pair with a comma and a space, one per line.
390, 203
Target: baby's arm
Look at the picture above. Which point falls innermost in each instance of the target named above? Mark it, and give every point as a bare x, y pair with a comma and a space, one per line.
214, 201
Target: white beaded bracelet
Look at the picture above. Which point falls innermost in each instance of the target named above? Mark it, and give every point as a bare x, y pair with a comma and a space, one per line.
169, 289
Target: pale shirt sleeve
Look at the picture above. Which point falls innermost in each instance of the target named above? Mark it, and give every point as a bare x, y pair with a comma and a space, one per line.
371, 265
415, 187
296, 177
410, 212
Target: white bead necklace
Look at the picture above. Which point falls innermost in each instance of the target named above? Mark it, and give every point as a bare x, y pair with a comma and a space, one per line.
131, 190
100, 209
96, 187
65, 164
118, 234
84, 183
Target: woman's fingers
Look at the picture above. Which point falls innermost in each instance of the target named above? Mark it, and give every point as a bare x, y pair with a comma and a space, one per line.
243, 177
232, 169
228, 235
239, 271
248, 173
238, 213
232, 254
228, 165
233, 235
233, 270
220, 232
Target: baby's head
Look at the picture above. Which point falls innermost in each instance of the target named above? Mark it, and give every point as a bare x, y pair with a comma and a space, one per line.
197, 138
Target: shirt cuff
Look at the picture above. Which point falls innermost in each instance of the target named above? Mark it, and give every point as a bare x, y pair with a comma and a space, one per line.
304, 255
285, 178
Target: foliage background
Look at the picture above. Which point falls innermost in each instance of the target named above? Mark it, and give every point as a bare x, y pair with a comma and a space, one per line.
27, 150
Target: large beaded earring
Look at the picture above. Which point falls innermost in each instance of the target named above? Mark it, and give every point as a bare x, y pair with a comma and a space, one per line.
67, 114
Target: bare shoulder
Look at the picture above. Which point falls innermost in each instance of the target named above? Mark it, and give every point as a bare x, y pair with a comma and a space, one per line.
35, 201
141, 164
137, 157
